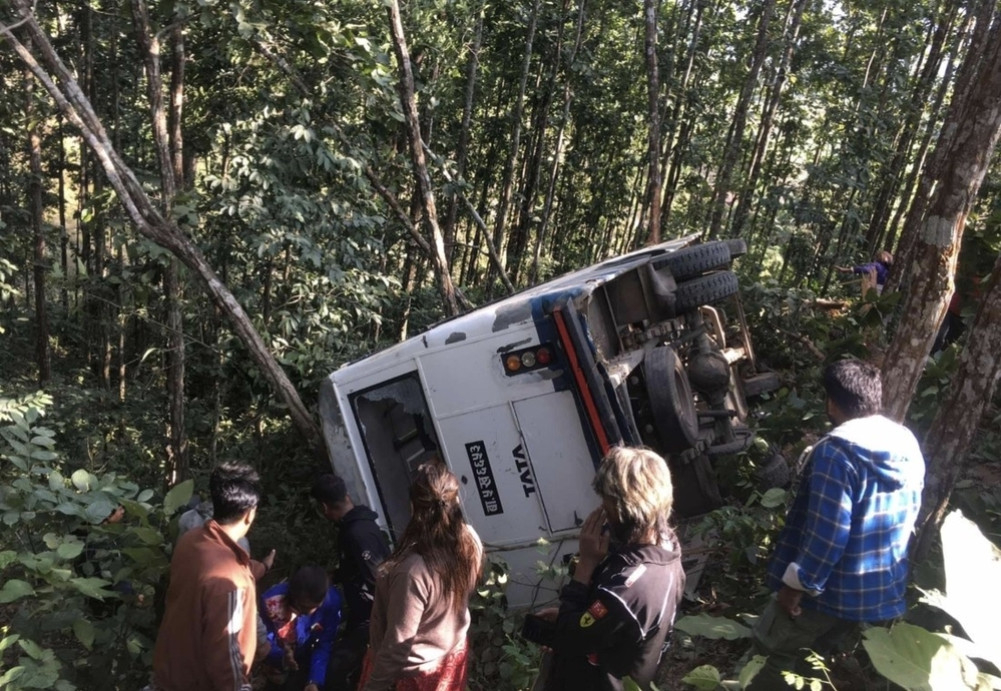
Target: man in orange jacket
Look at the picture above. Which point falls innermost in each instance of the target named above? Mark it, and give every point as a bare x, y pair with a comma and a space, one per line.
208, 635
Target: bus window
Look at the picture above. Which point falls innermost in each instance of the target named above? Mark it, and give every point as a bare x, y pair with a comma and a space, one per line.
396, 428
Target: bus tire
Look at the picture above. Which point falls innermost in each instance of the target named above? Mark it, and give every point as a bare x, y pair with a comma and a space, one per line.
705, 290
689, 262
696, 490
671, 400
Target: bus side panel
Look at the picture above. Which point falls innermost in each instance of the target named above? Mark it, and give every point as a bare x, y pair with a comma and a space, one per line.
558, 453
499, 496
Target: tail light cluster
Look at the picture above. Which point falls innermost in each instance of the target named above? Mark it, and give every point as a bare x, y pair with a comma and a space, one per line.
528, 359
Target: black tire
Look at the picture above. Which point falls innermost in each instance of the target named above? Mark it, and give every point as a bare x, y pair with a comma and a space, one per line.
671, 401
705, 290
695, 487
694, 261
738, 247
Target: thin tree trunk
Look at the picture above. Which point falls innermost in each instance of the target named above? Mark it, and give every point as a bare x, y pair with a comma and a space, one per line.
462, 149
64, 237
36, 211
554, 169
148, 220
891, 177
515, 144
747, 196
736, 133
408, 100
653, 114
164, 139
975, 124
931, 172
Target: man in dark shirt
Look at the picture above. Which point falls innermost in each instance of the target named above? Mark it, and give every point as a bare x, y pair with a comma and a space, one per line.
361, 547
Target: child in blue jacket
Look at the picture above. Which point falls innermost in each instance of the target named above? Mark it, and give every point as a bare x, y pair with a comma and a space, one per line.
301, 616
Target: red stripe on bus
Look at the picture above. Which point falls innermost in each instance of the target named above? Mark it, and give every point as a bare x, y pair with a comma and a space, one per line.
578, 373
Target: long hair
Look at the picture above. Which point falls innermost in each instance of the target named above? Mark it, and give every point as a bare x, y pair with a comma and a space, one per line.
635, 484
438, 532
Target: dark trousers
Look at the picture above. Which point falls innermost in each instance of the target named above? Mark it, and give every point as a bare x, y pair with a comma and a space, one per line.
787, 641
345, 663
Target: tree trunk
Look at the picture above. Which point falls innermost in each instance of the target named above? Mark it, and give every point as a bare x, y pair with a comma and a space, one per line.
975, 124
735, 136
165, 139
950, 436
148, 220
462, 148
408, 100
747, 195
653, 114
36, 211
515, 144
554, 168
892, 176
64, 237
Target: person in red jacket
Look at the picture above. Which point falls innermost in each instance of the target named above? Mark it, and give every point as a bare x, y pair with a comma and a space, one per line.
208, 635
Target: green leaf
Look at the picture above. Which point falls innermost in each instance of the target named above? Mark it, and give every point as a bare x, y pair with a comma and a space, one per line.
92, 587
70, 550
81, 480
7, 557
56, 481
705, 678
750, 669
15, 589
84, 631
99, 509
143, 556
12, 674
918, 659
773, 498
178, 496
30, 647
149, 536
44, 455
712, 627
68, 508
8, 641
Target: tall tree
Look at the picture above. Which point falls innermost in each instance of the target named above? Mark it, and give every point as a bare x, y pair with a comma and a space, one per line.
971, 391
36, 211
970, 135
425, 193
166, 136
653, 114
735, 134
514, 144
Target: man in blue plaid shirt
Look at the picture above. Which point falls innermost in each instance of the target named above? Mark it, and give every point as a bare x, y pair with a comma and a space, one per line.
841, 559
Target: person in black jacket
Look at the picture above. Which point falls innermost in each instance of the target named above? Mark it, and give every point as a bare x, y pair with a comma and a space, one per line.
361, 548
616, 614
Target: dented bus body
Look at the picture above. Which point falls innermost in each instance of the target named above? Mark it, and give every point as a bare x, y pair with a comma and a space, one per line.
521, 398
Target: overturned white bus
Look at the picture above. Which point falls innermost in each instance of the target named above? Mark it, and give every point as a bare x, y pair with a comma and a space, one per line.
522, 397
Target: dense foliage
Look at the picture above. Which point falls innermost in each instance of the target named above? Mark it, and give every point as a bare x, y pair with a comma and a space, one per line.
802, 126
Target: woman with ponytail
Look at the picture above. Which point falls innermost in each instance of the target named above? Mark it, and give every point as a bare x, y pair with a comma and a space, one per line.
420, 615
